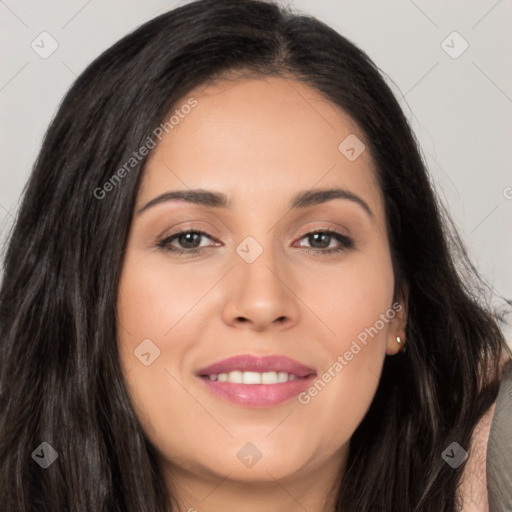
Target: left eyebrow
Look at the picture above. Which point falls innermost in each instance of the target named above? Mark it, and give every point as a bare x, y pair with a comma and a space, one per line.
201, 197
218, 200
313, 197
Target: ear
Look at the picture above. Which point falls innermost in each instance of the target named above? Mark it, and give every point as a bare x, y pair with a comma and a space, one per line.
398, 324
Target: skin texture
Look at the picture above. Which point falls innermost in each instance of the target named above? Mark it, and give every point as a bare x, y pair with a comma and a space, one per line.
260, 142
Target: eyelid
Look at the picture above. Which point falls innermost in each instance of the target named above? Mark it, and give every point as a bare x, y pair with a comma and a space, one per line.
325, 226
180, 231
186, 227
344, 242
315, 229
304, 232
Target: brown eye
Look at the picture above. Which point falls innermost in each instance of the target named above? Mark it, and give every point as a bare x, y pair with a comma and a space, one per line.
320, 241
184, 241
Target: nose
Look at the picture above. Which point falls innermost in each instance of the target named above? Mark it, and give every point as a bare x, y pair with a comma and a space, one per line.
260, 295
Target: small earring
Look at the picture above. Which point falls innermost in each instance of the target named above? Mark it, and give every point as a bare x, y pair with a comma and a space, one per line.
400, 342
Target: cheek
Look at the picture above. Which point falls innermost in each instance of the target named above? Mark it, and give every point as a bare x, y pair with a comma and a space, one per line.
152, 307
152, 304
355, 302
151, 300
352, 297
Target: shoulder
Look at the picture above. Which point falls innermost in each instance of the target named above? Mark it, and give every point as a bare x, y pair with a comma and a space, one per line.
474, 486
499, 448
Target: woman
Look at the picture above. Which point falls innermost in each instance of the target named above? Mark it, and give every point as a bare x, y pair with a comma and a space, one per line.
231, 286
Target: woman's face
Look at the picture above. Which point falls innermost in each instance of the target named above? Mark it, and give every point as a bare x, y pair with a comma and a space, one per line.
259, 285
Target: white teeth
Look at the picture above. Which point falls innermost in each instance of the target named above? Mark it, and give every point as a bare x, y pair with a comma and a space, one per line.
251, 378
269, 378
282, 377
238, 377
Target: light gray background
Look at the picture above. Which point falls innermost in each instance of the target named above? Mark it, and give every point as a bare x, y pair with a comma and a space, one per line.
460, 108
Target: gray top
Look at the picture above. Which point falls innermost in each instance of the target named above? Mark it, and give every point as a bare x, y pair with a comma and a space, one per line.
499, 448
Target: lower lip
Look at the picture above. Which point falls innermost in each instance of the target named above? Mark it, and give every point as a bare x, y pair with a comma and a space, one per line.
258, 395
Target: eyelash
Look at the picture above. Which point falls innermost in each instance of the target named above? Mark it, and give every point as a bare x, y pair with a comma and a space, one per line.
346, 242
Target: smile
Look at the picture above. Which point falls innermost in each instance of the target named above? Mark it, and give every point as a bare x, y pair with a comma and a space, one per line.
253, 381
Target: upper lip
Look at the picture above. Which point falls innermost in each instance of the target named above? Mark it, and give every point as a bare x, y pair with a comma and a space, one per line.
250, 363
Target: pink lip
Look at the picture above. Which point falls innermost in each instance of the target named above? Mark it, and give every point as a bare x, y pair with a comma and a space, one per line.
258, 395
249, 363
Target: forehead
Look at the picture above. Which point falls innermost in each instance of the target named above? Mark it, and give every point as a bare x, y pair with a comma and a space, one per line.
258, 139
